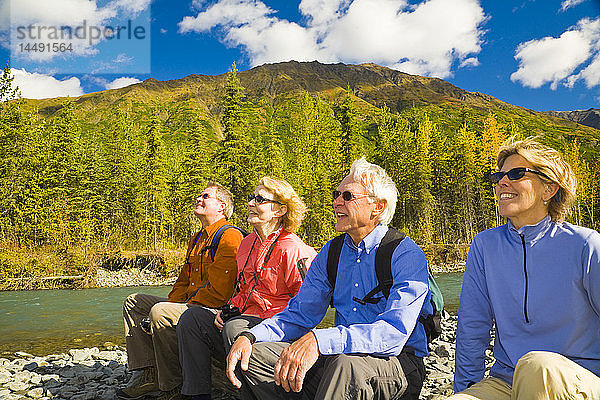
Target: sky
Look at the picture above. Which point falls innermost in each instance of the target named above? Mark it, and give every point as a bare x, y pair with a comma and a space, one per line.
539, 54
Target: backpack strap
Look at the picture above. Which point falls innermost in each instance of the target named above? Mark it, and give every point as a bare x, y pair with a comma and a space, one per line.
333, 259
383, 266
214, 245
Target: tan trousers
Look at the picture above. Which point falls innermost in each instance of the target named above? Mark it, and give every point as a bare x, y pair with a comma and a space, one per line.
160, 348
539, 375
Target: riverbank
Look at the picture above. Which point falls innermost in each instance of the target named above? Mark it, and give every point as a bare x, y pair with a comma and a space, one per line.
103, 278
46, 267
95, 373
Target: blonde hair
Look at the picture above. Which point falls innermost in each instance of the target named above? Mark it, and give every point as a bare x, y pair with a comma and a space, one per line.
225, 196
285, 193
549, 162
377, 184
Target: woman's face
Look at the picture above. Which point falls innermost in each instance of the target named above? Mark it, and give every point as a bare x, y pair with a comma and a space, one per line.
266, 212
522, 200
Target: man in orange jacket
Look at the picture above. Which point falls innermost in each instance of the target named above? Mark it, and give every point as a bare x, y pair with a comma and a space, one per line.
207, 279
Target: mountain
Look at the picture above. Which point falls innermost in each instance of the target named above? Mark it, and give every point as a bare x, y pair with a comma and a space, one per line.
372, 86
589, 117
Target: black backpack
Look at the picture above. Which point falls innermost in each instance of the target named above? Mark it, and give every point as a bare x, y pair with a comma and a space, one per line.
383, 269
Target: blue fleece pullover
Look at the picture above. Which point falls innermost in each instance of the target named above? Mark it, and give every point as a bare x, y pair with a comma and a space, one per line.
540, 286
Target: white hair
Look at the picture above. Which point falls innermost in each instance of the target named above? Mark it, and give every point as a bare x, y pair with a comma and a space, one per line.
377, 184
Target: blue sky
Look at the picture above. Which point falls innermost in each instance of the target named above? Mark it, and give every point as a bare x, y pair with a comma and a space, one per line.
539, 54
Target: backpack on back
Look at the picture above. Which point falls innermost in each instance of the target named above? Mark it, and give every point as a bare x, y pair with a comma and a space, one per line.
383, 270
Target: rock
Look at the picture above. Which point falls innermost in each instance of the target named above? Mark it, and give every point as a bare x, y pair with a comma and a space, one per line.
22, 354
30, 366
36, 393
18, 386
5, 377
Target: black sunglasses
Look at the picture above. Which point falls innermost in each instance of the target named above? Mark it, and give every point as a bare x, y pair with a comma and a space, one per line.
346, 195
514, 174
258, 199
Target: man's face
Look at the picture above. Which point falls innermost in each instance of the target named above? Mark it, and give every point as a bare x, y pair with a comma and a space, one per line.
357, 216
207, 204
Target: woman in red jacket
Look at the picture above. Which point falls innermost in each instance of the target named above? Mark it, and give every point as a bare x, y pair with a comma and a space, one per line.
271, 263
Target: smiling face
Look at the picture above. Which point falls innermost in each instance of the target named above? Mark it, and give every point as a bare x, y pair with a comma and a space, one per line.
358, 216
209, 209
265, 213
522, 200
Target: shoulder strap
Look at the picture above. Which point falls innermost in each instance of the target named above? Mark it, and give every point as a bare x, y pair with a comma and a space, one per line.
383, 266
214, 245
333, 259
383, 259
187, 257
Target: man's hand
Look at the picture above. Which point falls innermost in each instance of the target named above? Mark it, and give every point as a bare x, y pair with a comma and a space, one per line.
218, 321
295, 361
240, 351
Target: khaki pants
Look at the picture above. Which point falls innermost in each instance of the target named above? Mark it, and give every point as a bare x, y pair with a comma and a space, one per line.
341, 376
160, 348
539, 375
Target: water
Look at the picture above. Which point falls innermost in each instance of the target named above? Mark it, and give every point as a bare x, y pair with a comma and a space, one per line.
51, 321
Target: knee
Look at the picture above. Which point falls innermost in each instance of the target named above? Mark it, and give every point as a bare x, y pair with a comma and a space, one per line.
186, 323
232, 329
341, 363
158, 314
537, 363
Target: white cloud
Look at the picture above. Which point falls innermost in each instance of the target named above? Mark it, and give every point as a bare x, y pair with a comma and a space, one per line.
555, 60
122, 82
428, 38
43, 21
566, 4
39, 86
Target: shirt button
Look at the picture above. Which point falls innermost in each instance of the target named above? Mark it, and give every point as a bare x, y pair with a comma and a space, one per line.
354, 309
192, 283
196, 269
356, 285
358, 260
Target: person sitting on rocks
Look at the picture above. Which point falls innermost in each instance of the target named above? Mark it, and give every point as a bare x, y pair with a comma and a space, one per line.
206, 281
536, 280
376, 349
271, 264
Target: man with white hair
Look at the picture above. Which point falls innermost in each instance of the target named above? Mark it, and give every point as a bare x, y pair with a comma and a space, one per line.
376, 348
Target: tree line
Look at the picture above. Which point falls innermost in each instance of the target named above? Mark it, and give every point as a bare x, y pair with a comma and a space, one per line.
129, 182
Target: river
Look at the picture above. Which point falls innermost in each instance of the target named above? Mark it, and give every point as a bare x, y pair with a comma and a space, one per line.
42, 322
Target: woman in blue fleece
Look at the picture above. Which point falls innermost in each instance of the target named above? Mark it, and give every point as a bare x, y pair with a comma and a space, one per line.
536, 280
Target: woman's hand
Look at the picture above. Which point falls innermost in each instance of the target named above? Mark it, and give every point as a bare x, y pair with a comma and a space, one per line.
218, 321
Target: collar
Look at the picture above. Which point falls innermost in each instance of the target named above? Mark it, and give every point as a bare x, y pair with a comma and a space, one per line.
371, 241
531, 232
271, 236
214, 227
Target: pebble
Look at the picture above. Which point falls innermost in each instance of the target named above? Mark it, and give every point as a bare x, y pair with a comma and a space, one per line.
96, 373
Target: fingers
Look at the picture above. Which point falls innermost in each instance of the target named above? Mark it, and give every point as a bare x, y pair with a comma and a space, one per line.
285, 372
240, 352
218, 321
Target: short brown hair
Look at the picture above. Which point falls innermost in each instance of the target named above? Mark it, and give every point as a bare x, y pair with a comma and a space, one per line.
550, 162
224, 195
285, 193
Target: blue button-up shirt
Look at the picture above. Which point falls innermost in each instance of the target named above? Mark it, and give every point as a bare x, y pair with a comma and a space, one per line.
381, 329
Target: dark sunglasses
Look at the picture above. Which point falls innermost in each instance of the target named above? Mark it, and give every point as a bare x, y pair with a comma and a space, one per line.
514, 174
346, 195
258, 199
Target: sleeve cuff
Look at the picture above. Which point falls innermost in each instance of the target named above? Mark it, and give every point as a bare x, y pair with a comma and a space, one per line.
329, 340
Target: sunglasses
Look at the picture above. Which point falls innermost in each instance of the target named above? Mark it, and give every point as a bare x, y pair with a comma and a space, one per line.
514, 174
346, 195
258, 199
